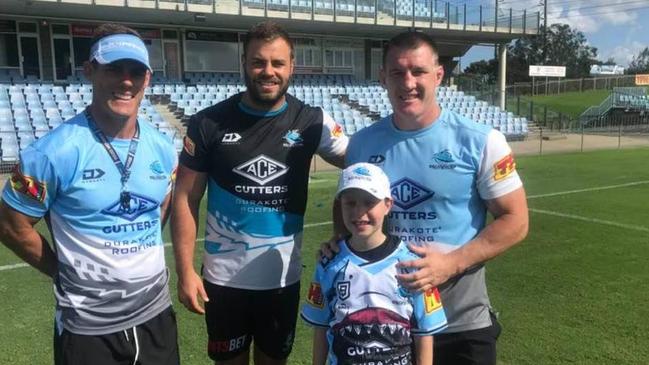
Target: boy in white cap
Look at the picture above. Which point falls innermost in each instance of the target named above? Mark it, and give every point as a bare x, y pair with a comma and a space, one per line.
360, 313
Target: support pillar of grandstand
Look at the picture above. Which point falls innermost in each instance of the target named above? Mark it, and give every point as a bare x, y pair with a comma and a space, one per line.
502, 75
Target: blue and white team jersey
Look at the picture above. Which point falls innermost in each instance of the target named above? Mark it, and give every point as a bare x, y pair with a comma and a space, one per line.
370, 318
440, 177
111, 268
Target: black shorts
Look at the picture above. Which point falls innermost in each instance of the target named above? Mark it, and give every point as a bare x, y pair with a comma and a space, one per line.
236, 317
475, 347
154, 342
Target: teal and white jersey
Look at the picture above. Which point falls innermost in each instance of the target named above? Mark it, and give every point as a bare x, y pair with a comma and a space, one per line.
257, 164
370, 318
440, 177
111, 268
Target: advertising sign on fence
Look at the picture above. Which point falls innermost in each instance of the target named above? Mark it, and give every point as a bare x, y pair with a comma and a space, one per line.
642, 79
547, 71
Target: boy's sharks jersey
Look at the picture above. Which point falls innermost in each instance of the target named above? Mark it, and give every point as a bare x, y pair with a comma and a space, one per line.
258, 171
440, 177
370, 318
111, 269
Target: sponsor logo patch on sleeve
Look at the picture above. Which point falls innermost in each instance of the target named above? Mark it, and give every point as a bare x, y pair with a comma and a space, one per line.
504, 167
27, 185
314, 297
189, 146
337, 131
432, 300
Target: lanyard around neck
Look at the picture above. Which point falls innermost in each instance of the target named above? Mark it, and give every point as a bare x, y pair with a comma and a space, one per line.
123, 168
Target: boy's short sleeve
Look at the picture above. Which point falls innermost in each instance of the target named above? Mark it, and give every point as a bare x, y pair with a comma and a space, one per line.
316, 309
429, 316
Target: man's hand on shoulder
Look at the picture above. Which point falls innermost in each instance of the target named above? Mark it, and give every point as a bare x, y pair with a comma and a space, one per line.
431, 269
328, 249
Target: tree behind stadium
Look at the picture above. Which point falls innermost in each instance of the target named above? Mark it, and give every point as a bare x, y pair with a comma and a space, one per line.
563, 47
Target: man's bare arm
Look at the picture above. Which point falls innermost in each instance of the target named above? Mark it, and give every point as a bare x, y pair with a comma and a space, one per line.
190, 186
17, 232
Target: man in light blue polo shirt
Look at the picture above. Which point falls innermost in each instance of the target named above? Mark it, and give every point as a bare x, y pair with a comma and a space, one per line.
102, 180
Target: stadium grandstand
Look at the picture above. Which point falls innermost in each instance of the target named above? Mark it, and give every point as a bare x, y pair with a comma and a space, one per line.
628, 105
195, 48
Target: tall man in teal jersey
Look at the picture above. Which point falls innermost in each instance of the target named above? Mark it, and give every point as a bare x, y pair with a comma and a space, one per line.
446, 173
103, 182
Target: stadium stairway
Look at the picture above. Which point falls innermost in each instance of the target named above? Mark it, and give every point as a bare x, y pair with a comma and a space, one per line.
170, 117
363, 109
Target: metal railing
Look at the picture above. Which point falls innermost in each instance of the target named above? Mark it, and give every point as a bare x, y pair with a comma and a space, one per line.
541, 86
416, 13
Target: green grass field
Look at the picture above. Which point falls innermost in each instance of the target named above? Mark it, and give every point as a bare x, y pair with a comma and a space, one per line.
572, 103
576, 291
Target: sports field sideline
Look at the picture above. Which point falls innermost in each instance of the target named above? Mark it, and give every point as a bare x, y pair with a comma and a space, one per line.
575, 291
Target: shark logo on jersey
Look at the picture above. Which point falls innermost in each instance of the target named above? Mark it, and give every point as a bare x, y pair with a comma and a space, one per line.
156, 167
407, 193
261, 169
137, 206
293, 138
362, 171
443, 160
443, 156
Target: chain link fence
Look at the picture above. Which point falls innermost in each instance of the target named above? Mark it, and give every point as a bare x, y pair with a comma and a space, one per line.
543, 86
548, 86
541, 141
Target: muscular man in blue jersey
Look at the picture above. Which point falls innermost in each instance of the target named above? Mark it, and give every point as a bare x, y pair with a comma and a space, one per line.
446, 173
102, 180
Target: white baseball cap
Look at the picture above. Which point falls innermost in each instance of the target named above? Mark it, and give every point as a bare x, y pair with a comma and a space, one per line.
367, 177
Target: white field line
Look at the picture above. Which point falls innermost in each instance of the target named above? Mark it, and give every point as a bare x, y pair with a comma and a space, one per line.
319, 181
14, 266
167, 244
590, 220
588, 189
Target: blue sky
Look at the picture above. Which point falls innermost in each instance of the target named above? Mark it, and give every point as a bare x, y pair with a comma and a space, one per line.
617, 28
